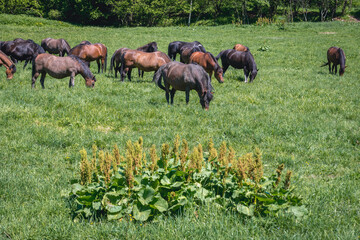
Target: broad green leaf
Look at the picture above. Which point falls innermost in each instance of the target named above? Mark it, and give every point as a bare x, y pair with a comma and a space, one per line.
264, 198
76, 187
115, 216
96, 206
141, 215
165, 181
146, 195
244, 210
177, 184
161, 204
298, 211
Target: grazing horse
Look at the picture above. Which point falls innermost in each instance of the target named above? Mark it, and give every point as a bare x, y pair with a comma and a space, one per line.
144, 61
240, 47
239, 60
91, 52
186, 51
174, 47
336, 56
8, 64
150, 47
25, 50
116, 60
61, 67
56, 46
209, 63
185, 77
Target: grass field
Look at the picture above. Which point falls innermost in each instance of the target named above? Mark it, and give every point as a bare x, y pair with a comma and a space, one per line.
295, 112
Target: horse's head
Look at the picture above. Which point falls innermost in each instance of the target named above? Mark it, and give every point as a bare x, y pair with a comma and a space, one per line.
205, 99
253, 74
219, 75
342, 71
10, 72
90, 82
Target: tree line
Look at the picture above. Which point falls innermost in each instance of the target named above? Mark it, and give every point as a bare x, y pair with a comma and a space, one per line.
178, 12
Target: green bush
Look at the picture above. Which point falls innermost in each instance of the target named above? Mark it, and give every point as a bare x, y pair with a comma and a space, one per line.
54, 14
131, 188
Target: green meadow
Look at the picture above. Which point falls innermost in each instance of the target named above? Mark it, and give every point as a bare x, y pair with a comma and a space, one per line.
295, 112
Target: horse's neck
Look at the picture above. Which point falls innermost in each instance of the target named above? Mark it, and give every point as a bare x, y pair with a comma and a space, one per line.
6, 61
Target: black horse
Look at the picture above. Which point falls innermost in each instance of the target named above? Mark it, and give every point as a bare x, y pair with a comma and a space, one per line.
20, 49
174, 47
185, 77
150, 47
239, 60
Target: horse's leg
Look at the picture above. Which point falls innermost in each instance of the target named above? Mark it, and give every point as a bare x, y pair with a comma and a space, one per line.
329, 66
139, 72
187, 95
26, 62
102, 65
172, 95
42, 79
246, 74
335, 69
98, 63
129, 74
142, 74
225, 67
33, 80
72, 78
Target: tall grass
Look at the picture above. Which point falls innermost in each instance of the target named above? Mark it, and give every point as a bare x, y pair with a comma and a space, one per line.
295, 112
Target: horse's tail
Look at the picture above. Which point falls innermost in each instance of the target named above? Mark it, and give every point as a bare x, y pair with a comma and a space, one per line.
157, 77
324, 64
219, 55
106, 59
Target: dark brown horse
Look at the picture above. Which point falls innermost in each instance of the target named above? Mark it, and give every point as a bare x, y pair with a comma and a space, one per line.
336, 56
150, 47
185, 77
8, 64
209, 63
23, 50
144, 61
186, 51
61, 67
240, 47
174, 47
239, 60
56, 46
116, 60
91, 52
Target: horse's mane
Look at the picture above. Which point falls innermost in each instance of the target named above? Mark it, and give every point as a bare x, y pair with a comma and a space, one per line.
342, 57
86, 69
216, 62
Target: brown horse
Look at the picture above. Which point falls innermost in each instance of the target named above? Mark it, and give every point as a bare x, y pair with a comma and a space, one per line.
61, 67
8, 64
240, 47
185, 77
144, 61
116, 60
186, 51
91, 52
209, 63
56, 46
336, 56
150, 47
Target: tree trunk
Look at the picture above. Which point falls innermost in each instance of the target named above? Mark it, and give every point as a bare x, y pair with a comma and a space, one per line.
190, 13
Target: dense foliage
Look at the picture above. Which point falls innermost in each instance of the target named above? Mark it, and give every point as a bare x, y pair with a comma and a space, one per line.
178, 12
128, 187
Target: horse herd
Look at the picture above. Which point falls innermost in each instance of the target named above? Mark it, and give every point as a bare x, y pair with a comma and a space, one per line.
193, 72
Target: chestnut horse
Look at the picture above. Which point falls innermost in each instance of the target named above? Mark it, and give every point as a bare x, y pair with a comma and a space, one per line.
336, 56
116, 60
240, 47
185, 77
144, 61
61, 67
56, 46
174, 47
209, 63
8, 64
150, 47
91, 52
239, 60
